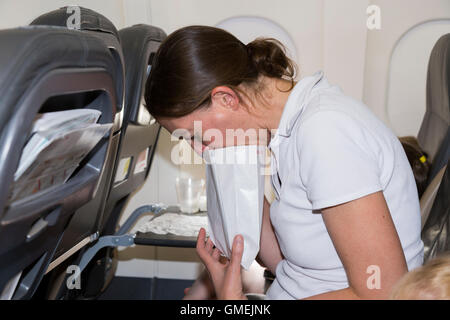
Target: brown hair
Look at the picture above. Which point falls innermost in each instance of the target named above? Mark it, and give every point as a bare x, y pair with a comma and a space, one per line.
193, 60
418, 160
430, 282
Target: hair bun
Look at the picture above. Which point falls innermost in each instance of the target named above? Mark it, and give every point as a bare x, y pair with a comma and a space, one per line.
268, 57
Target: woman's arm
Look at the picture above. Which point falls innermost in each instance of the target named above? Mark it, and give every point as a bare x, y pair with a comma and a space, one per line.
269, 253
366, 241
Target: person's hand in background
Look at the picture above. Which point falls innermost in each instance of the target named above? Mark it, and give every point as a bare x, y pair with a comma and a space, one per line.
201, 289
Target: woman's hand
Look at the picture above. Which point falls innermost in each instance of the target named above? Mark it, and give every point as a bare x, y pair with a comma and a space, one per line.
225, 275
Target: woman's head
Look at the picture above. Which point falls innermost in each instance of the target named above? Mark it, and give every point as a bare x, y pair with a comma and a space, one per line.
205, 73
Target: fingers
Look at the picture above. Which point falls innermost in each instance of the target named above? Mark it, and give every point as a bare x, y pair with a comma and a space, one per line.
205, 250
210, 254
201, 237
200, 247
233, 281
186, 290
209, 246
216, 254
236, 256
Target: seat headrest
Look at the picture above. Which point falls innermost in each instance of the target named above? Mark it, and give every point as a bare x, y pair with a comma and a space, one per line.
138, 42
437, 115
29, 53
90, 20
142, 31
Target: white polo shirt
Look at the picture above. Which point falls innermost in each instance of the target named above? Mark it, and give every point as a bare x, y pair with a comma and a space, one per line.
330, 149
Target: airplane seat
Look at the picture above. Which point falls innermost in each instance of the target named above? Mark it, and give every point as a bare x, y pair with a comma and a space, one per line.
136, 147
441, 157
140, 130
436, 231
434, 132
96, 24
84, 225
428, 197
43, 70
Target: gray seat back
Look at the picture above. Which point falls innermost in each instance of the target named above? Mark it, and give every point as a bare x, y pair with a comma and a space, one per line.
436, 121
428, 197
436, 231
87, 219
139, 134
46, 69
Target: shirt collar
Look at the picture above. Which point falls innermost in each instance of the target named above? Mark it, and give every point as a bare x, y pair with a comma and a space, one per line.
294, 105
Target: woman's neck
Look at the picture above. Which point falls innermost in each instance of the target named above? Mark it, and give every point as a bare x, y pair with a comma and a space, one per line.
276, 94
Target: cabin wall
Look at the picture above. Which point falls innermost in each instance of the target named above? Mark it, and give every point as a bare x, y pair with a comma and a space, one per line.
397, 60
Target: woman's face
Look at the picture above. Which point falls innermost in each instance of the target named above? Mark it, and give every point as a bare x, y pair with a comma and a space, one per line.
225, 122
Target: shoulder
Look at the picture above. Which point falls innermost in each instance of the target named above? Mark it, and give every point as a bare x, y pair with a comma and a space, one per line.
329, 122
333, 134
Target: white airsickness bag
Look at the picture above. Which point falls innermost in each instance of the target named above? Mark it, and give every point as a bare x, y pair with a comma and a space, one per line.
235, 195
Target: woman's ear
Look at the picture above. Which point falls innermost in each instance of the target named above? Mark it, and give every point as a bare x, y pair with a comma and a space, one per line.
225, 97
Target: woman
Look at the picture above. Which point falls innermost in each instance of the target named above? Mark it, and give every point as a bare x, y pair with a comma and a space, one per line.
345, 223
